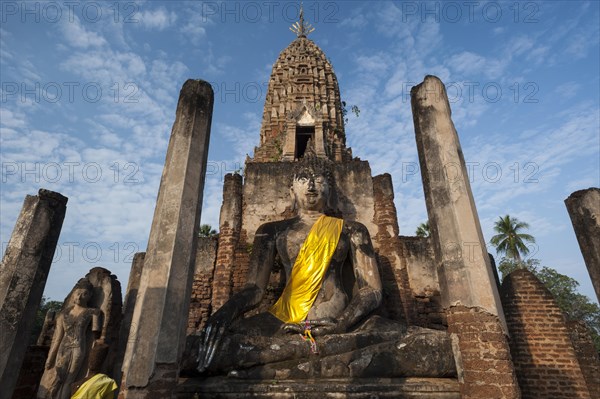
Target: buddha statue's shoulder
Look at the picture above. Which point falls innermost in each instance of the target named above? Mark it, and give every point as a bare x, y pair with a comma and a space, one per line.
352, 226
275, 228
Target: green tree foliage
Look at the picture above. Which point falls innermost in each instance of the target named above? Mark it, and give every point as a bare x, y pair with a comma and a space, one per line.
510, 241
206, 230
564, 289
354, 109
45, 306
423, 230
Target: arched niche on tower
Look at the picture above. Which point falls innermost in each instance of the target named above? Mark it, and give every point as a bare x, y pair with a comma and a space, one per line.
304, 124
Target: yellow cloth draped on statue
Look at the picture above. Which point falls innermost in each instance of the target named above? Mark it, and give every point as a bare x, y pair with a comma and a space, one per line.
308, 271
99, 386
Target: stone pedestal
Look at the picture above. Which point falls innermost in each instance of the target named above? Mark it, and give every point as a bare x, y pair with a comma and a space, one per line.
158, 326
396, 388
469, 292
584, 210
23, 275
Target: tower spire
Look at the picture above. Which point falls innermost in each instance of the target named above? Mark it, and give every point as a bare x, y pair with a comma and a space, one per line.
301, 28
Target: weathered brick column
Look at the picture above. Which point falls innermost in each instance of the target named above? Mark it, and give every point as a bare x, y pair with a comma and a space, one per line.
587, 355
159, 322
230, 223
469, 292
23, 275
397, 295
545, 359
584, 210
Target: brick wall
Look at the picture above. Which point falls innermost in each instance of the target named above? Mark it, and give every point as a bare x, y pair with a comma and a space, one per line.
482, 353
543, 355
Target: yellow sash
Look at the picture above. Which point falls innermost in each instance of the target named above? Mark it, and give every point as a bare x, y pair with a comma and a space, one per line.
308, 271
99, 386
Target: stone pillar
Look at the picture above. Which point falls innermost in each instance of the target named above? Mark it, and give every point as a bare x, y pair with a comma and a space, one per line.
584, 210
158, 326
23, 275
289, 145
133, 286
469, 292
320, 139
230, 223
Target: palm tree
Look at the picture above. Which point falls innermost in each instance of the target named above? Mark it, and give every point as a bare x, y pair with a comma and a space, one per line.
509, 240
423, 230
206, 230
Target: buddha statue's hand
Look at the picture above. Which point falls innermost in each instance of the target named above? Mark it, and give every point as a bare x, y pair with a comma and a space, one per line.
211, 336
317, 327
324, 326
291, 328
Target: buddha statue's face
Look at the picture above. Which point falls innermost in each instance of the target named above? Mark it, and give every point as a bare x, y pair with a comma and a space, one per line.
310, 190
82, 296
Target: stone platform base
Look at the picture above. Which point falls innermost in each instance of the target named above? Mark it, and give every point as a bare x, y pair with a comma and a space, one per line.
371, 388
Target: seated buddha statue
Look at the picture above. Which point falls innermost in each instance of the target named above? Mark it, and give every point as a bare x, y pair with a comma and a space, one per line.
317, 327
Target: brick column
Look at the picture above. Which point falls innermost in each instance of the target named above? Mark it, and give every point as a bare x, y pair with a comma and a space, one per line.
229, 234
159, 322
397, 295
23, 275
587, 355
469, 292
543, 354
584, 210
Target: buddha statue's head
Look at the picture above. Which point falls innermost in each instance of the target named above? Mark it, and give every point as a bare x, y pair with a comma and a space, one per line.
82, 292
312, 185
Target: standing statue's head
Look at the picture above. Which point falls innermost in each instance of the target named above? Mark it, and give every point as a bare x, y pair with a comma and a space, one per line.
82, 292
312, 184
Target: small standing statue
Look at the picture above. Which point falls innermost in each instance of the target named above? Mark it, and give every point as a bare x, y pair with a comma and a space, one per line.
77, 327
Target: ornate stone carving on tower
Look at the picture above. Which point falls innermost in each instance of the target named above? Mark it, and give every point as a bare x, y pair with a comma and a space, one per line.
303, 110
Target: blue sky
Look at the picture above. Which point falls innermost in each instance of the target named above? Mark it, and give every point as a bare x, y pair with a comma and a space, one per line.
89, 91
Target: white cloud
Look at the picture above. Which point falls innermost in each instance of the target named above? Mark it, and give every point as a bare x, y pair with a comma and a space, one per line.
577, 46
5, 54
158, 19
9, 118
78, 36
356, 21
567, 90
468, 63
376, 64
196, 21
